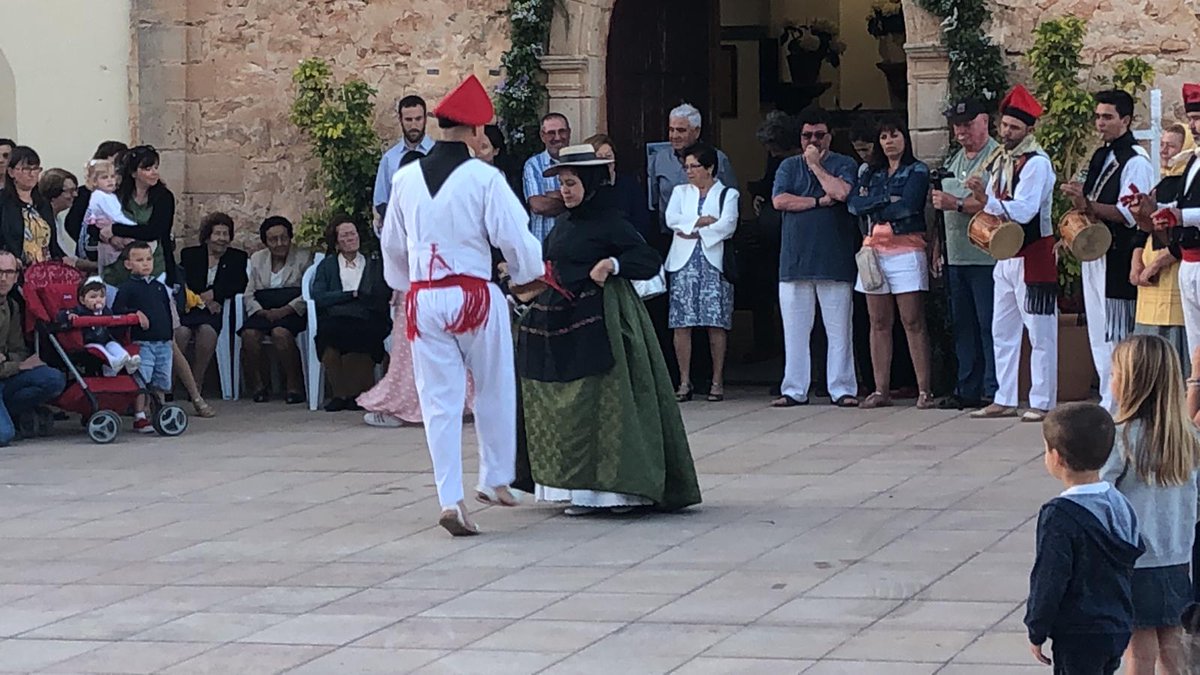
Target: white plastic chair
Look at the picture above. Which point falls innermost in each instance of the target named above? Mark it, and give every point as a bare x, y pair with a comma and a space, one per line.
314, 375
239, 317
225, 352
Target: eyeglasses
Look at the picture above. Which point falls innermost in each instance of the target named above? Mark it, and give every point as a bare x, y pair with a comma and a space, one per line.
7, 273
28, 169
814, 135
692, 167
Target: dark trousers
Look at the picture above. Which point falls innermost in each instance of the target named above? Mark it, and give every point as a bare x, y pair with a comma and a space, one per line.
1088, 654
970, 288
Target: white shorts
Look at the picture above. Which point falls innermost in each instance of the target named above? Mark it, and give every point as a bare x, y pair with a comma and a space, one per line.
904, 272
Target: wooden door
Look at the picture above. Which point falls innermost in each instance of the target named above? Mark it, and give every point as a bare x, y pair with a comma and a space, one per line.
660, 53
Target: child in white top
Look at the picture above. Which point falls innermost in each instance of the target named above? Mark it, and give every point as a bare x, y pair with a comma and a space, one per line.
102, 180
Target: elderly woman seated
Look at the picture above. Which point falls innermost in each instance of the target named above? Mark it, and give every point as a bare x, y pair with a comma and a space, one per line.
275, 309
216, 271
352, 314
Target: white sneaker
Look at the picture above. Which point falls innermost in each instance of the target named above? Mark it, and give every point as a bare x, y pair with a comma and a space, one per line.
133, 364
382, 420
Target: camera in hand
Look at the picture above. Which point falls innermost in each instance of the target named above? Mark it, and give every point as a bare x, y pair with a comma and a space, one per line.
939, 175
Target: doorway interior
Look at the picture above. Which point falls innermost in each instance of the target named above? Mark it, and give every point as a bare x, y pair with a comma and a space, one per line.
738, 60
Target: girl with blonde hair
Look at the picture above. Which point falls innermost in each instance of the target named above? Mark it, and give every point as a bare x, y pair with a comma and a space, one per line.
1154, 464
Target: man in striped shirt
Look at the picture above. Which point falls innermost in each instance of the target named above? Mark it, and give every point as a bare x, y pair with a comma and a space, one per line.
542, 194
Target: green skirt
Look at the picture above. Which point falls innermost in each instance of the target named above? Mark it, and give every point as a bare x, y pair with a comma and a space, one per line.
620, 431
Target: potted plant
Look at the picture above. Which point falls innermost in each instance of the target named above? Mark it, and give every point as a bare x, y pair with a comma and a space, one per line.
886, 24
809, 45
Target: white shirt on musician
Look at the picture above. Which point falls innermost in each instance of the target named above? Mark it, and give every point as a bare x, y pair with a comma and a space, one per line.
1034, 195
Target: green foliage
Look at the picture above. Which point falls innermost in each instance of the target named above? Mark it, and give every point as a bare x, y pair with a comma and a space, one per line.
1066, 129
976, 64
521, 97
338, 123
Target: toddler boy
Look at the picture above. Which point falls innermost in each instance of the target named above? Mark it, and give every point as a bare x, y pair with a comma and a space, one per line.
151, 300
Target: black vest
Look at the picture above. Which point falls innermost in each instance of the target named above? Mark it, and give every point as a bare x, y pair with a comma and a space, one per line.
1185, 237
1124, 237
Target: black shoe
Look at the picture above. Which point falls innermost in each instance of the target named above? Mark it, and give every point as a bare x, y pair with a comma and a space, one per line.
954, 402
45, 420
335, 405
294, 398
26, 425
262, 396
353, 405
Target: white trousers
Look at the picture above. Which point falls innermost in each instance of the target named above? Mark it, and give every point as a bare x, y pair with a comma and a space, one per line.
798, 308
1097, 326
440, 364
113, 352
1189, 288
1009, 321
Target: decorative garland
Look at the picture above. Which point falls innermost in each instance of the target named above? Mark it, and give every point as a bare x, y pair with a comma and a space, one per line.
976, 64
521, 97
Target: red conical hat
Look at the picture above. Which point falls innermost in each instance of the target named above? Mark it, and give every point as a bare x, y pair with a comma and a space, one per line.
1191, 97
468, 104
1022, 105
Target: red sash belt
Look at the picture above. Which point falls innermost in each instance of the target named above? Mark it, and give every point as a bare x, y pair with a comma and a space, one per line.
475, 310
1191, 255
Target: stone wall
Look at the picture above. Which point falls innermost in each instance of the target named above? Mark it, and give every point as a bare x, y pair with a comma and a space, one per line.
215, 86
1166, 33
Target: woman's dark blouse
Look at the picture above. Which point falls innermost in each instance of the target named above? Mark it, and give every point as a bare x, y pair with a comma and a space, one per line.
231, 271
592, 232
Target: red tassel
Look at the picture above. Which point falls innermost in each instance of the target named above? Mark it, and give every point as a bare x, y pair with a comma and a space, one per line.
410, 314
477, 300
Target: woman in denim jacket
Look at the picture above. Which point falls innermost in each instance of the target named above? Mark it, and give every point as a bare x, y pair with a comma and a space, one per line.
891, 195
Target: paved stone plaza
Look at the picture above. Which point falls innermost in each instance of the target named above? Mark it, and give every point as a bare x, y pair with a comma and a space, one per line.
890, 542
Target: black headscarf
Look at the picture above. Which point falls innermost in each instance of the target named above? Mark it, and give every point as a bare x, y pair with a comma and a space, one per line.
594, 178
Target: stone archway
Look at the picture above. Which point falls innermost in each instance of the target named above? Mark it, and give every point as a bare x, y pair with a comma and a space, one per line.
575, 65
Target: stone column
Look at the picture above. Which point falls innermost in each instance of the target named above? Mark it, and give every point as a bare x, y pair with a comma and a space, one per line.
575, 64
928, 84
158, 84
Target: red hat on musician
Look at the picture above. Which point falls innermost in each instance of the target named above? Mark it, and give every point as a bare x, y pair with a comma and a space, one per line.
468, 105
1022, 105
1191, 97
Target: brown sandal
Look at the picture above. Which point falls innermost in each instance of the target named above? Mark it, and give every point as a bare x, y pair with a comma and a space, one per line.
877, 399
925, 401
203, 409
497, 496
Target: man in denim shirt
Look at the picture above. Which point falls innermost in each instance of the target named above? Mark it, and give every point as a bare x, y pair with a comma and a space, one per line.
816, 263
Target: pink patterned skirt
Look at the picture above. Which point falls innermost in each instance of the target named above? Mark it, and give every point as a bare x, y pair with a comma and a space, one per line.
396, 393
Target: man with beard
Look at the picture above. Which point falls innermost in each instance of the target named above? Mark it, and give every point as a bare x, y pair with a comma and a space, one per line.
1021, 189
1179, 215
1117, 170
968, 269
411, 110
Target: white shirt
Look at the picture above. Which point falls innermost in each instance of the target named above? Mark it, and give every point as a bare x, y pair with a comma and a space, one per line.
1034, 194
473, 211
1087, 489
105, 204
1137, 172
351, 271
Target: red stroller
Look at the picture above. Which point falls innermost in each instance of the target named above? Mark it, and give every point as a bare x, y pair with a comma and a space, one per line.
48, 289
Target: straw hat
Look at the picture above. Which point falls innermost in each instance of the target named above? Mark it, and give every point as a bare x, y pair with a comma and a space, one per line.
575, 155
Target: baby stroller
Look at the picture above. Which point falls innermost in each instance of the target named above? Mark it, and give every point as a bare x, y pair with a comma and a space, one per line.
48, 289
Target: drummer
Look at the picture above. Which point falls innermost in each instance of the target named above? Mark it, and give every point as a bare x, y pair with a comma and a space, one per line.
1117, 170
1020, 188
968, 269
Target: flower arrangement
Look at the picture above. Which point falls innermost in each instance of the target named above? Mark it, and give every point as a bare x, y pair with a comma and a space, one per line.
886, 18
521, 97
817, 37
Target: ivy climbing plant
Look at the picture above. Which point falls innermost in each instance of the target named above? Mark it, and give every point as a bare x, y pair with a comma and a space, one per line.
337, 121
521, 96
976, 64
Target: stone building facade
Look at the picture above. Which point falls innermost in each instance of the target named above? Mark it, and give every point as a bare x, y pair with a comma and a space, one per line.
210, 79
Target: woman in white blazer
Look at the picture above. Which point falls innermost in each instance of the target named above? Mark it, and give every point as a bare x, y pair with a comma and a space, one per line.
703, 215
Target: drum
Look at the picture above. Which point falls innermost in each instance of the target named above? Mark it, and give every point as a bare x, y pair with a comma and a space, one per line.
1087, 239
999, 239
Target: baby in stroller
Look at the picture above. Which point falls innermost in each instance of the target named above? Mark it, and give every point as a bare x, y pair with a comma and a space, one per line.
98, 339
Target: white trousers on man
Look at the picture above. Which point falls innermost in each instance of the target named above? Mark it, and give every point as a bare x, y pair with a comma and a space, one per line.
798, 308
440, 364
1095, 304
1009, 322
1189, 288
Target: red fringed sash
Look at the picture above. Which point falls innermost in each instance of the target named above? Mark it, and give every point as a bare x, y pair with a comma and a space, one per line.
476, 300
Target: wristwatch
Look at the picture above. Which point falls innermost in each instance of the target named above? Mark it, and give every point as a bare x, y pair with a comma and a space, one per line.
958, 206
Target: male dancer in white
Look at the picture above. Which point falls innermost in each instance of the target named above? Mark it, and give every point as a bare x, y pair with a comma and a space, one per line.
445, 213
1021, 189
